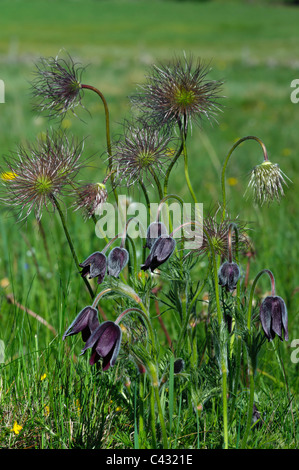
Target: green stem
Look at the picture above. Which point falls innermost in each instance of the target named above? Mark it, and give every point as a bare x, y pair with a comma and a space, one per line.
161, 418
144, 190
159, 187
185, 324
173, 161
141, 411
152, 367
152, 418
249, 408
249, 137
236, 375
186, 166
224, 399
100, 94
71, 245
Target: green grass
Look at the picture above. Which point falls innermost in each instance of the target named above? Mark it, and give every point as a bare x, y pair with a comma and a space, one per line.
254, 49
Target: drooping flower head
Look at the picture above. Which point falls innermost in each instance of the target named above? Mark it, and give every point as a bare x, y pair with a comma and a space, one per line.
117, 260
94, 266
85, 322
57, 85
105, 343
40, 172
274, 318
154, 231
177, 92
228, 276
161, 250
142, 151
267, 182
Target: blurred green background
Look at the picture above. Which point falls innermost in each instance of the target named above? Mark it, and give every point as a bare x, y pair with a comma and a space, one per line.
252, 46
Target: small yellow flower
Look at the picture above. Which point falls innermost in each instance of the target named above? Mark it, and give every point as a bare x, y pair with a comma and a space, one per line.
16, 428
79, 407
43, 377
4, 282
286, 152
8, 176
46, 411
118, 409
232, 181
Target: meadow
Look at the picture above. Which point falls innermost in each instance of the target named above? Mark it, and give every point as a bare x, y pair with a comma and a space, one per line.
50, 397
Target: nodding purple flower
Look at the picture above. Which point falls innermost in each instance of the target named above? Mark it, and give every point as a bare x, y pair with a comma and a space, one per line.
117, 260
95, 266
161, 250
85, 322
105, 343
154, 231
228, 276
274, 317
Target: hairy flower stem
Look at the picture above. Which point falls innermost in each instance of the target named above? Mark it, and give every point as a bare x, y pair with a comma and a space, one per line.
174, 160
161, 205
183, 137
213, 262
249, 137
250, 367
153, 418
159, 188
153, 366
146, 196
141, 431
250, 406
71, 245
108, 140
270, 274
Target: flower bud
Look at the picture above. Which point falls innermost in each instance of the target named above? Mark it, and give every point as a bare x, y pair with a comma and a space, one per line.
162, 249
228, 275
117, 260
154, 231
85, 322
105, 343
274, 317
95, 266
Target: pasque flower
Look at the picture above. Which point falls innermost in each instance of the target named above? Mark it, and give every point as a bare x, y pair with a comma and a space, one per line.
274, 317
94, 266
90, 198
56, 86
161, 250
85, 322
216, 232
105, 343
117, 260
39, 173
228, 275
267, 182
154, 231
142, 151
178, 91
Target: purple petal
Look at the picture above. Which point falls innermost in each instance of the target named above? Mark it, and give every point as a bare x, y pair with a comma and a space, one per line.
81, 322
117, 260
265, 317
